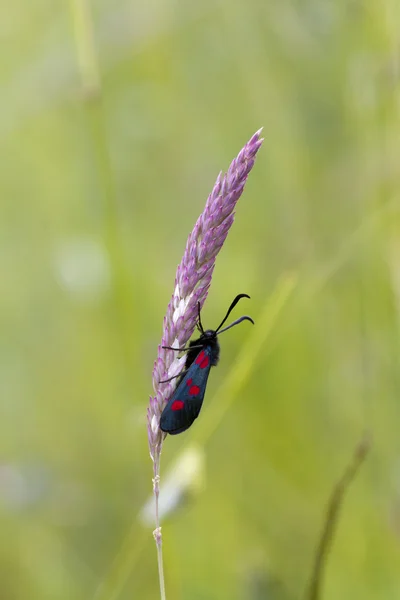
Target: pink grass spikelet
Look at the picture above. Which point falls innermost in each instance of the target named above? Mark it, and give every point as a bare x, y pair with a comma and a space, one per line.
192, 281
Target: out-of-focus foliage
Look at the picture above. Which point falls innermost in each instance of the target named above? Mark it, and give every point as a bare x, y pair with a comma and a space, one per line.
106, 160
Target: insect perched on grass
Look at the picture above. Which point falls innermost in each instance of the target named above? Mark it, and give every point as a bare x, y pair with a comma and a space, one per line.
185, 403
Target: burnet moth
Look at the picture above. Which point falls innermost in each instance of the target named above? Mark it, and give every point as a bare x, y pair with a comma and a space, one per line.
185, 403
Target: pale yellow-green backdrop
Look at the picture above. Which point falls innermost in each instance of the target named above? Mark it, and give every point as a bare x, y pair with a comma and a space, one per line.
115, 118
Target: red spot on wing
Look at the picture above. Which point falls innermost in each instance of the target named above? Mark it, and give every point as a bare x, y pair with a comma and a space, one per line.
200, 357
194, 390
177, 405
202, 360
189, 381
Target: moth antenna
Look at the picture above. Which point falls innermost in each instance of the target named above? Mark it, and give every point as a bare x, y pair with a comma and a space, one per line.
199, 323
232, 306
244, 318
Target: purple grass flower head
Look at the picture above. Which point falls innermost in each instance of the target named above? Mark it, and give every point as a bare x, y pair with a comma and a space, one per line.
193, 279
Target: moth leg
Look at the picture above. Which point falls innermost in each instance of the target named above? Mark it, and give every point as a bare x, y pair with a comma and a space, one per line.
182, 374
184, 349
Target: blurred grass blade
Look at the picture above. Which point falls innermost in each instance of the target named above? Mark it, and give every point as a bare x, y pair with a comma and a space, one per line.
117, 576
132, 547
85, 46
244, 365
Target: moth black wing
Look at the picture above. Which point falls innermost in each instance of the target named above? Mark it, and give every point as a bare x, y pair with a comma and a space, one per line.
185, 404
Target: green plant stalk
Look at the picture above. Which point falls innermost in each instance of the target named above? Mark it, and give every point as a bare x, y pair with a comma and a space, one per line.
91, 95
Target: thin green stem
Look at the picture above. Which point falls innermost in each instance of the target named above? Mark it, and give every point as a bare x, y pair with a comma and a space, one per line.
332, 515
157, 532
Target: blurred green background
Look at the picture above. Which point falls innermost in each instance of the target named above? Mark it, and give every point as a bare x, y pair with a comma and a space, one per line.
115, 118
